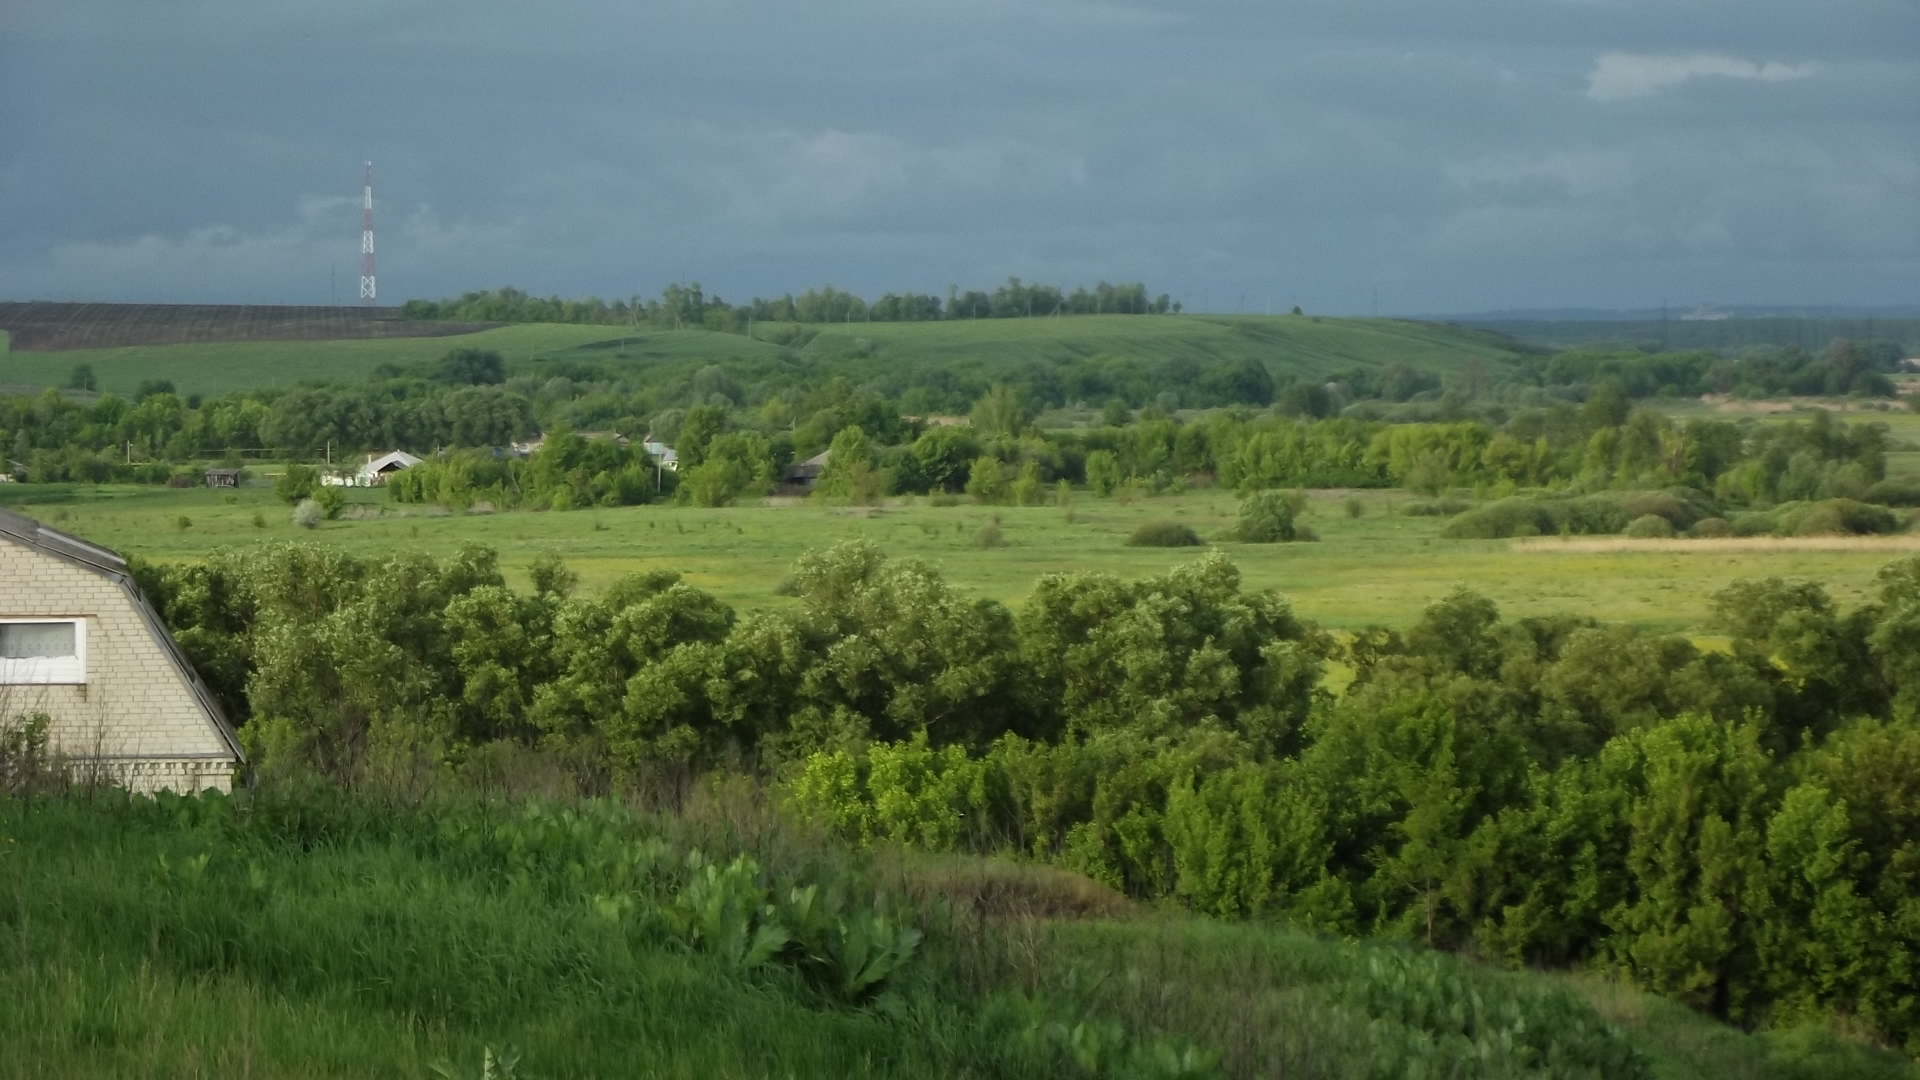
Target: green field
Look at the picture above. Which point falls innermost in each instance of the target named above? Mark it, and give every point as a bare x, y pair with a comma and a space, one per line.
1376, 569
218, 367
1287, 344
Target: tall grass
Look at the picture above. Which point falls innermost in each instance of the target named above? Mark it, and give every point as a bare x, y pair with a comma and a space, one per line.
325, 935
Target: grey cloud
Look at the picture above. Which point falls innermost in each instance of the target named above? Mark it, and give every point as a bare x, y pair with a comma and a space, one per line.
1492, 153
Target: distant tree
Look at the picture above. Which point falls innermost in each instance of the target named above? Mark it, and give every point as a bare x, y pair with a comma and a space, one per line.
81, 378
999, 412
1305, 399
1606, 405
703, 424
987, 480
150, 387
471, 367
1116, 413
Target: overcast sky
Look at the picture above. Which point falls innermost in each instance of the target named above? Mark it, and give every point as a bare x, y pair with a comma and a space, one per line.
1444, 156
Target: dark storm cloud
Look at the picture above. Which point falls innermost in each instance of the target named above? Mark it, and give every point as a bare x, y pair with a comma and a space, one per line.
1457, 156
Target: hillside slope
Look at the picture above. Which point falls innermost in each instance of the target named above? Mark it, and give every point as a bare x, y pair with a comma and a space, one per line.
334, 936
989, 348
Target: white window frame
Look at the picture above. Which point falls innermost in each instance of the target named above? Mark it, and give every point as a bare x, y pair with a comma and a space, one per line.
48, 670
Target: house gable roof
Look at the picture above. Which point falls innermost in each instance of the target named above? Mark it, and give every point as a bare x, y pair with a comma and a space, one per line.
399, 459
111, 565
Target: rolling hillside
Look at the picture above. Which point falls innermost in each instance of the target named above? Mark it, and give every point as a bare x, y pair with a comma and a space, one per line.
1288, 345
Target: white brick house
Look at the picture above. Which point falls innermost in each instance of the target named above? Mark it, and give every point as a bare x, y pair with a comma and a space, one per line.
79, 643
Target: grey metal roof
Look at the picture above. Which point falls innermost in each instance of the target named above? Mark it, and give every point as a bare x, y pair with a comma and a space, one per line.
111, 565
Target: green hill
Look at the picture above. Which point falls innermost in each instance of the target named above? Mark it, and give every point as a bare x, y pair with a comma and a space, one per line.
989, 348
336, 936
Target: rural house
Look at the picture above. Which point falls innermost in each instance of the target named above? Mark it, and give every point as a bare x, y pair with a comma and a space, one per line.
80, 644
375, 472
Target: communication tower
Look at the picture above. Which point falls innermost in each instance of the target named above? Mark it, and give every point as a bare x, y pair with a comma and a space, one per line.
369, 293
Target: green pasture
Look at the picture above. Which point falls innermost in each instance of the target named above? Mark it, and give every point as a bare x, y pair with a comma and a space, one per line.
1293, 344
220, 367
1381, 568
989, 347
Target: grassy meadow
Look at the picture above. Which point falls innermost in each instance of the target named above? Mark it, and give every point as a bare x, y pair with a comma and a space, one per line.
1382, 567
1289, 344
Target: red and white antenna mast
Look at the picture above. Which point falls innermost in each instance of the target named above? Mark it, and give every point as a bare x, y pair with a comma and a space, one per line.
369, 293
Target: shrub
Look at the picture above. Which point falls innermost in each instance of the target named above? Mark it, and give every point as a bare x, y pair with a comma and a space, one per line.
332, 500
1355, 508
1590, 515
308, 514
1270, 517
298, 482
1711, 528
1164, 534
1843, 517
989, 535
1497, 521
1650, 527
1895, 493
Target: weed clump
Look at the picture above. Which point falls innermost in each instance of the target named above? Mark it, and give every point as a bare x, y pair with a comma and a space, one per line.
1712, 528
989, 535
308, 515
1164, 534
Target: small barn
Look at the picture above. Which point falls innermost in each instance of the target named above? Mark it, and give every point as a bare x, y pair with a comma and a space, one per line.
222, 478
800, 479
80, 644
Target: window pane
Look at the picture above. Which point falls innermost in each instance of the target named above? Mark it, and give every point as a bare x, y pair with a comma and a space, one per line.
22, 640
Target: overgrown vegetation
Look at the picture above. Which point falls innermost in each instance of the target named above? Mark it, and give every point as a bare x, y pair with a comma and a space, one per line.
302, 931
1726, 828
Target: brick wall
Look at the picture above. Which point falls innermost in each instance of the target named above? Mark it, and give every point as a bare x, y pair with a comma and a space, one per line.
135, 719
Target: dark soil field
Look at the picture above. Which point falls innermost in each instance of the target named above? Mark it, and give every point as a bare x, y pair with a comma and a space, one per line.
48, 327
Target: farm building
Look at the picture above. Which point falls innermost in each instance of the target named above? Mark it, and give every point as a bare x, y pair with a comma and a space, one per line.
662, 454
799, 479
223, 478
375, 472
81, 645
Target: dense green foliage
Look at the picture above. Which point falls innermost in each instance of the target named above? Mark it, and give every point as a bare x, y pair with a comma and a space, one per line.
1729, 828
689, 306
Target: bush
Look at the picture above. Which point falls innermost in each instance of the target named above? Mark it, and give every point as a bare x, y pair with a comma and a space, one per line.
298, 482
1164, 534
309, 514
1650, 527
1711, 528
1841, 517
1506, 518
1354, 507
1270, 517
989, 535
1590, 515
1895, 493
331, 500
